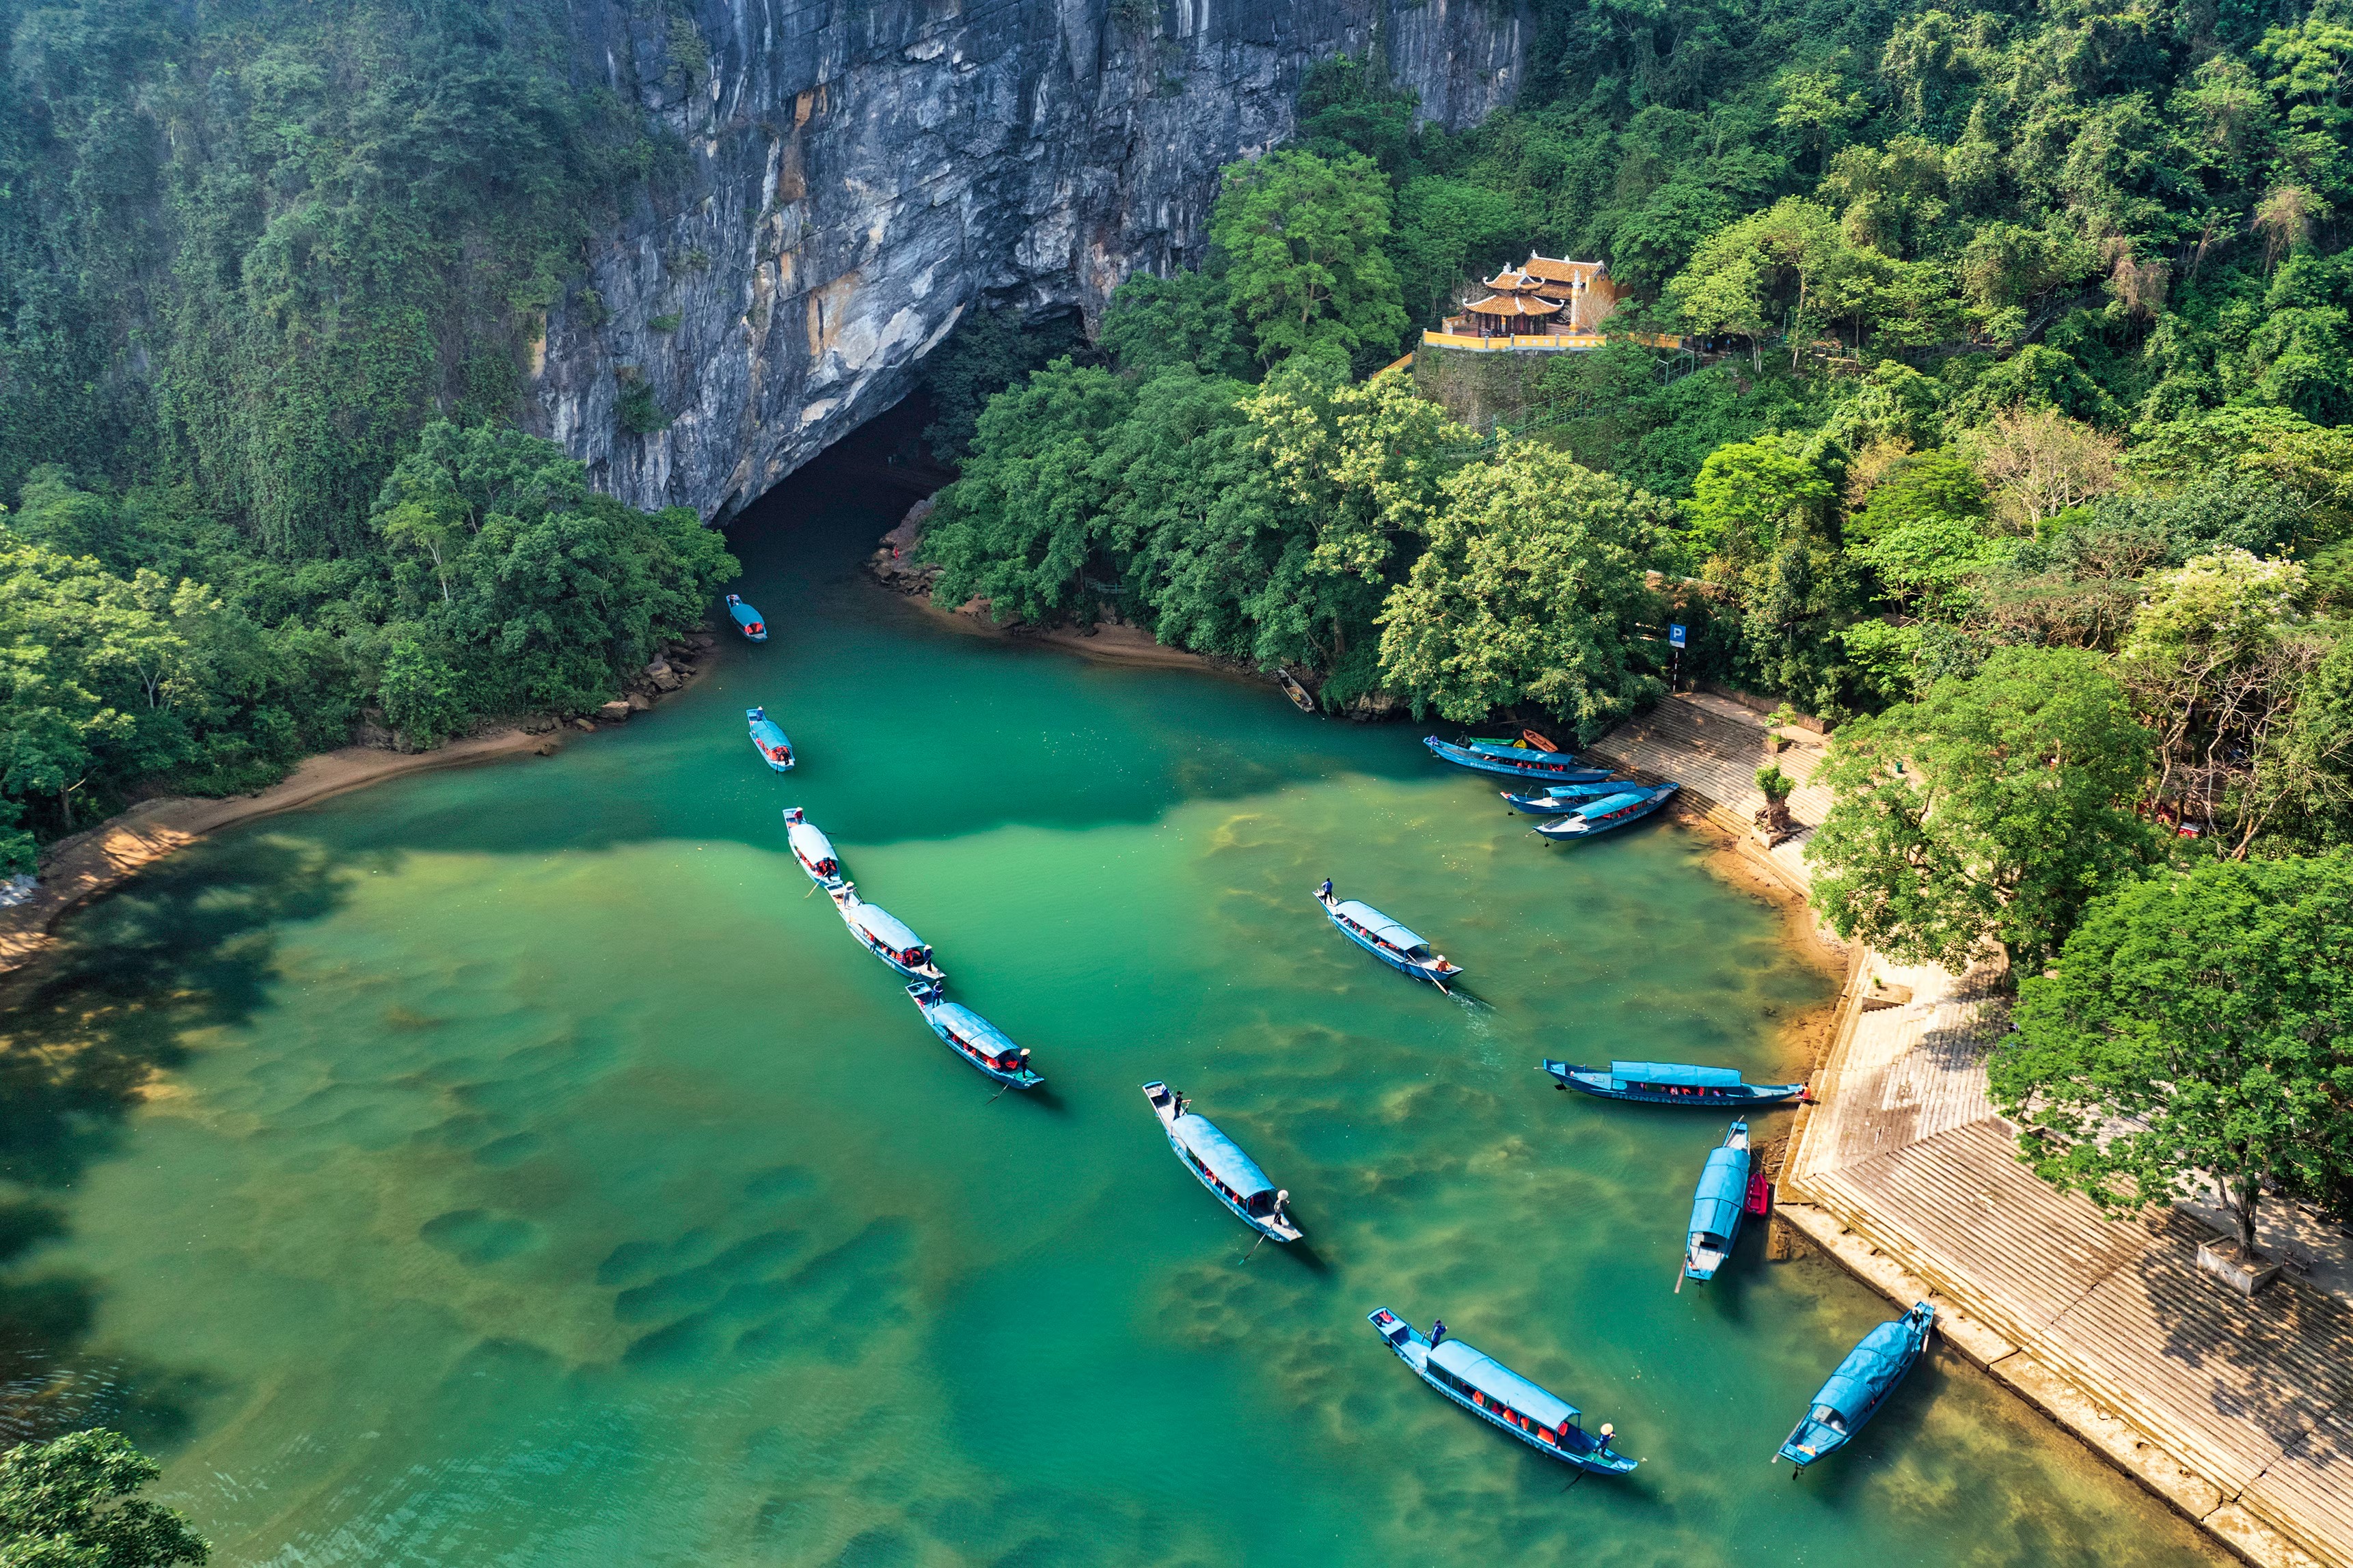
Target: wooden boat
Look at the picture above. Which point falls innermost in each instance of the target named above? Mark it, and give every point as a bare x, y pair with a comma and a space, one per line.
1860, 1386
773, 748
1386, 940
1296, 693
884, 935
747, 618
1502, 1398
1556, 798
1218, 1162
1513, 762
974, 1038
812, 848
1717, 1205
1530, 738
1594, 818
1673, 1083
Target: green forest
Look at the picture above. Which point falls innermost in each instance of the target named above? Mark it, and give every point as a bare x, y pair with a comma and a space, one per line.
270, 273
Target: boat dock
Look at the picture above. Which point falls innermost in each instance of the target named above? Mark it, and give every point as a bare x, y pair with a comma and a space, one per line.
2236, 1410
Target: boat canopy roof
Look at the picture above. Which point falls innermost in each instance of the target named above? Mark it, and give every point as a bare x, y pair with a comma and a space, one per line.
1869, 1368
1511, 749
884, 927
1221, 1154
1609, 803
1722, 1188
969, 1024
810, 841
765, 728
1496, 1380
1675, 1073
1379, 924
742, 610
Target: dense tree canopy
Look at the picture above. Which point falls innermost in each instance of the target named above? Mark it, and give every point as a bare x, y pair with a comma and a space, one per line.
69, 1503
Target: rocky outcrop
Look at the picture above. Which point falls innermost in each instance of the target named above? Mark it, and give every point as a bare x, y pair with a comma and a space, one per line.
853, 176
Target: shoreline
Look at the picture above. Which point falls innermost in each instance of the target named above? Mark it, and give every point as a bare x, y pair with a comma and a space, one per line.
99, 859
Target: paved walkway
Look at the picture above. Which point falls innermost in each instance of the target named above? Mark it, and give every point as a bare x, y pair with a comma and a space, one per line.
1713, 747
2240, 1412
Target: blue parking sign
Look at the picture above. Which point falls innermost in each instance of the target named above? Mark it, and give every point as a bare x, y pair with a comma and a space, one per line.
1675, 636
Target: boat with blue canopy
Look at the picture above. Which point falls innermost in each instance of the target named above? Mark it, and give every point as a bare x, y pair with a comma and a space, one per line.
1386, 940
1219, 1163
1592, 818
1673, 1083
747, 618
884, 934
1502, 1398
769, 740
974, 1038
812, 848
1558, 798
1717, 1205
1860, 1386
1513, 762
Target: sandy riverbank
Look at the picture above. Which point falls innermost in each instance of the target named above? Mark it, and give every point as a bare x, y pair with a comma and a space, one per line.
102, 858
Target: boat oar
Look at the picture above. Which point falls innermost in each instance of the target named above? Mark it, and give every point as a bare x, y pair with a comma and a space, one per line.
1254, 1246
999, 1094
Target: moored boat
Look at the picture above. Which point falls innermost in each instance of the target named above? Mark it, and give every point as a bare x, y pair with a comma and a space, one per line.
1386, 940
812, 848
770, 741
747, 619
1219, 1163
1296, 693
1558, 798
884, 934
1594, 818
1672, 1083
1861, 1383
1717, 1204
1513, 762
974, 1038
1497, 1395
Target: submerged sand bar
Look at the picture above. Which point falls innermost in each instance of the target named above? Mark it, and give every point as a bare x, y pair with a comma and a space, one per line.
2238, 1411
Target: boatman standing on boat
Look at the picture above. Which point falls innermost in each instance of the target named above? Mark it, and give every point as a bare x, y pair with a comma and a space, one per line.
1437, 1332
1326, 890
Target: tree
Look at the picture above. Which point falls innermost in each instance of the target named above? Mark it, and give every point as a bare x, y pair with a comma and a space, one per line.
2195, 1026
1528, 590
68, 1503
1748, 495
1988, 812
1185, 319
2038, 463
1303, 236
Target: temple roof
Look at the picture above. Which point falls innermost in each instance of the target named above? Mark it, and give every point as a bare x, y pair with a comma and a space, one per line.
1510, 283
1552, 271
1512, 305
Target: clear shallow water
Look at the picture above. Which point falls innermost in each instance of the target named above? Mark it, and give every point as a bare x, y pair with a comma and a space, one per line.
540, 1178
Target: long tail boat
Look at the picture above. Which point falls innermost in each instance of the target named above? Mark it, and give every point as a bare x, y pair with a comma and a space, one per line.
884, 935
812, 848
1386, 940
1218, 1162
769, 740
747, 619
1558, 798
974, 1038
1672, 1083
1496, 1394
1594, 818
1717, 1204
1513, 762
1860, 1386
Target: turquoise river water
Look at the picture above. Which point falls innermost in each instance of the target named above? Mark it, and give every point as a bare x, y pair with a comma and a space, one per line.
535, 1175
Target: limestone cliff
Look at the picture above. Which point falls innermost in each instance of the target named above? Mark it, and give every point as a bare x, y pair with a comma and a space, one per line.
854, 174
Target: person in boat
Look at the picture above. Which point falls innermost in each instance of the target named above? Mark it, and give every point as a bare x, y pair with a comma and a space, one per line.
1326, 890
1437, 1332
1608, 1432
794, 814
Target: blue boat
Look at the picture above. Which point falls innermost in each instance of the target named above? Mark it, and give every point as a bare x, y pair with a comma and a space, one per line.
1496, 1394
1386, 940
1594, 818
884, 935
974, 1038
1721, 1198
812, 848
773, 748
1558, 798
1513, 762
1218, 1162
748, 619
1860, 1386
1672, 1083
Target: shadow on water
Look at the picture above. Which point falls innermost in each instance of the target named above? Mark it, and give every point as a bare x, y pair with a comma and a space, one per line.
187, 947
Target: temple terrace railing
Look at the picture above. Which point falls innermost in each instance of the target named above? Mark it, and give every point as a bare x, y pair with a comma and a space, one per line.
1549, 342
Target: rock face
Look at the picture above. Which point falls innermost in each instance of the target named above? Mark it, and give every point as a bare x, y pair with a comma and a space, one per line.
855, 174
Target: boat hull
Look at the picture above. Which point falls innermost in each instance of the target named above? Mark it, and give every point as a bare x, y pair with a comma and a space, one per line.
1742, 1097
845, 900
1020, 1077
774, 749
1715, 1220
1412, 1348
1440, 978
1553, 805
1810, 1441
1269, 1226
1550, 767
1573, 829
